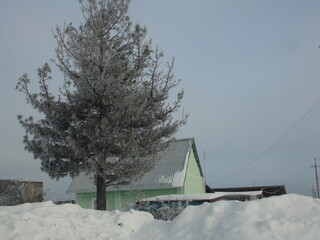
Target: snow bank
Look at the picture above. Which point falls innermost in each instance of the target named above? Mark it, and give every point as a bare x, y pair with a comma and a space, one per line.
284, 217
49, 221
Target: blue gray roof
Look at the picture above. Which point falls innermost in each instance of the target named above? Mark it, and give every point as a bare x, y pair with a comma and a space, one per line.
169, 171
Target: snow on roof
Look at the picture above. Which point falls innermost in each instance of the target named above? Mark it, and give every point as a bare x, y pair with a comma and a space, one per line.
200, 196
169, 171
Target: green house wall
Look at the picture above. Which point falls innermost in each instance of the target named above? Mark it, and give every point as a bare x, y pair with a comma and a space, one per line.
193, 183
119, 199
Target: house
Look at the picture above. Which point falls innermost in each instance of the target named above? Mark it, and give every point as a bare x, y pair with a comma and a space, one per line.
177, 172
14, 192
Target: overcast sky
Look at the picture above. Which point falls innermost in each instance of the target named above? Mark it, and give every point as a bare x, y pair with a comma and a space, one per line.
250, 71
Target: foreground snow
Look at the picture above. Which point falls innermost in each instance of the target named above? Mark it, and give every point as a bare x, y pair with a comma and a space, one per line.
285, 217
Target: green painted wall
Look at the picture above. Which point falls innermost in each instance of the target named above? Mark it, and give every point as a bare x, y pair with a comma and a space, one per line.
119, 199
194, 182
84, 199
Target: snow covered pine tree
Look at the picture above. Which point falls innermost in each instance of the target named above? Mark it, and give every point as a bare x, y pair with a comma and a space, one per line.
112, 115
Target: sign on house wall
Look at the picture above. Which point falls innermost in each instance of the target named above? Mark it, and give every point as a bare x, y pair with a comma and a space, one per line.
13, 192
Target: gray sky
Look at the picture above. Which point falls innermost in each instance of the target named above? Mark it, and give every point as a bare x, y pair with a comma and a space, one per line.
250, 70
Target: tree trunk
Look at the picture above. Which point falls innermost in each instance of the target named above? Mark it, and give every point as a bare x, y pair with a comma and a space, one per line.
101, 193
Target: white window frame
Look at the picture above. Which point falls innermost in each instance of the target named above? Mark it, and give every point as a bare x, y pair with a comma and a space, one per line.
94, 203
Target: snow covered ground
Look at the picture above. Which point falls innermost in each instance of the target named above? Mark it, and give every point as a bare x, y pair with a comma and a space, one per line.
284, 217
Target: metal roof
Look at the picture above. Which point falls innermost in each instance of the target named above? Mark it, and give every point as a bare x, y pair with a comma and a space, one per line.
169, 171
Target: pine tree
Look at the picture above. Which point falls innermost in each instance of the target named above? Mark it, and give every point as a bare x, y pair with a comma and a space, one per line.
112, 115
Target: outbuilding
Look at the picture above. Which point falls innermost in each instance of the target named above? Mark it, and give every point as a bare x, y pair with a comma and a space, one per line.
14, 192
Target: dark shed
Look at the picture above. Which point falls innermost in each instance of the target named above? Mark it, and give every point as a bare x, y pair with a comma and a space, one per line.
267, 191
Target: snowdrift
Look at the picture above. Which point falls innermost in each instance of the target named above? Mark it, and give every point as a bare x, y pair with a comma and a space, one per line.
284, 217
